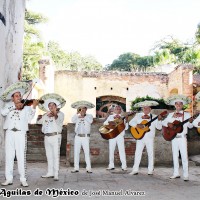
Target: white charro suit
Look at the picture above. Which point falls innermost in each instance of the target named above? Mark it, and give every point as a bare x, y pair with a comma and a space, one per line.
16, 126
147, 140
119, 140
52, 143
196, 122
179, 142
82, 138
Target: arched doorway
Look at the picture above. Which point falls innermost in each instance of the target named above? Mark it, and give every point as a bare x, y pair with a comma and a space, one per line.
104, 103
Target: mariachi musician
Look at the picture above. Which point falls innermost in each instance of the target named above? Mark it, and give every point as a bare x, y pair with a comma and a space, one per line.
179, 143
16, 125
119, 140
196, 122
83, 123
52, 123
148, 139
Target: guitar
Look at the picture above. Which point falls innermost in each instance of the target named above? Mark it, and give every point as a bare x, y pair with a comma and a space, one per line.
111, 131
170, 133
138, 133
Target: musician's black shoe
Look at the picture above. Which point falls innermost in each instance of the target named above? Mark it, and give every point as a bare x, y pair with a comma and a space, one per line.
109, 168
74, 171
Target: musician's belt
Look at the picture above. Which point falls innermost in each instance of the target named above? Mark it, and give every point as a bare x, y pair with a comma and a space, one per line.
180, 136
15, 130
83, 135
51, 134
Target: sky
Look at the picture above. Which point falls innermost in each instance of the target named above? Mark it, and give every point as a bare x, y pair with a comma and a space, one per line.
106, 29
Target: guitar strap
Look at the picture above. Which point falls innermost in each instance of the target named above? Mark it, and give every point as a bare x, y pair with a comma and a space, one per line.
151, 116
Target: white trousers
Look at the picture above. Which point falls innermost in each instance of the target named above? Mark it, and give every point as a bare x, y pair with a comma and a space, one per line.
140, 144
180, 144
84, 142
119, 140
52, 147
15, 142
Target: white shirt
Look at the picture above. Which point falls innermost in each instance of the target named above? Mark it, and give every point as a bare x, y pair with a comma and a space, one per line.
196, 121
137, 119
83, 125
18, 119
50, 124
170, 119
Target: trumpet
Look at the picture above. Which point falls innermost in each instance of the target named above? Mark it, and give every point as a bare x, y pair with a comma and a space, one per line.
78, 110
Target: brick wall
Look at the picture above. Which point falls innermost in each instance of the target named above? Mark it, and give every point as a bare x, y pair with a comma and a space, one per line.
99, 148
35, 143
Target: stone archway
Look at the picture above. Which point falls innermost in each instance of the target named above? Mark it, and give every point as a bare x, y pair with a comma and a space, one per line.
104, 103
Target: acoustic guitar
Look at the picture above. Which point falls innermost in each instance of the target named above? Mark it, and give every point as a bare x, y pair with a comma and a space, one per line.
138, 133
111, 131
170, 133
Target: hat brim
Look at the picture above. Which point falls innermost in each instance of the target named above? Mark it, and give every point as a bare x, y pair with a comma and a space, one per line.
177, 98
79, 104
52, 98
21, 87
172, 103
146, 104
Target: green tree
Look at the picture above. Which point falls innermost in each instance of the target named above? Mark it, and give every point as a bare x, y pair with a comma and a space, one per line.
197, 34
34, 47
131, 62
125, 62
71, 61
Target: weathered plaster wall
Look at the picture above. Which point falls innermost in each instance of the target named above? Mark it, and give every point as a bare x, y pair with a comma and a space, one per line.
11, 49
74, 86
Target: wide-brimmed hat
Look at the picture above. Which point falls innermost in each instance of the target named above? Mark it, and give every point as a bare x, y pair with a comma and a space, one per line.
178, 98
51, 98
146, 103
79, 104
197, 97
21, 87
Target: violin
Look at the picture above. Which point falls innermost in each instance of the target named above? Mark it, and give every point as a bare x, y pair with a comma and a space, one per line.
29, 102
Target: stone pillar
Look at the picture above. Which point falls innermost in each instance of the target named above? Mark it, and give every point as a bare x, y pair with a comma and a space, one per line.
46, 74
187, 83
11, 49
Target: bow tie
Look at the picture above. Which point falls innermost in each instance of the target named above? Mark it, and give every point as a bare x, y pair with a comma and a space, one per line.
117, 116
145, 117
177, 115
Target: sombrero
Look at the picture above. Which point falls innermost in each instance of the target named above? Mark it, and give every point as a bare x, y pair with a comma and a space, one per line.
197, 97
146, 103
79, 104
21, 87
178, 98
49, 98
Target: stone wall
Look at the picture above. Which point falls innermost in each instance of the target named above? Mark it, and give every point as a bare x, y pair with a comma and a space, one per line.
99, 148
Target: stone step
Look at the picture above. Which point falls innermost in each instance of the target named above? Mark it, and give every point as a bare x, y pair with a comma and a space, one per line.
38, 144
36, 157
35, 137
31, 150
